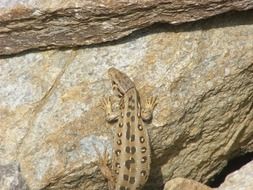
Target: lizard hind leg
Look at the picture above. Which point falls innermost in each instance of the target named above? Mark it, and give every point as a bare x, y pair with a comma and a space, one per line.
103, 164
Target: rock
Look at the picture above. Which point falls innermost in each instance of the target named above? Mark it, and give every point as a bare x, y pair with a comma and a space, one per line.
40, 24
10, 178
201, 72
185, 184
241, 179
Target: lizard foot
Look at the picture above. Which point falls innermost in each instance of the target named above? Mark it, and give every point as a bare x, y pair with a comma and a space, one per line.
103, 164
148, 109
106, 104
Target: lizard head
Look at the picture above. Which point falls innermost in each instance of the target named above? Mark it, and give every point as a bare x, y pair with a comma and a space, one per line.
121, 83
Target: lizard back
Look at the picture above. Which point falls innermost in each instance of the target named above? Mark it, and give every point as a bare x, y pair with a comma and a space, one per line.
131, 156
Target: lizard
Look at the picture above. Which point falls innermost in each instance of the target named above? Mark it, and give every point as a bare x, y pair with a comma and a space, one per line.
131, 148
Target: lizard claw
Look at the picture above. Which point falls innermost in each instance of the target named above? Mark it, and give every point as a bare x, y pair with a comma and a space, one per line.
106, 103
151, 102
103, 164
103, 160
147, 111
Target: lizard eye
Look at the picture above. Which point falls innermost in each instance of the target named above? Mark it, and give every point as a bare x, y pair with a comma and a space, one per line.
117, 91
119, 95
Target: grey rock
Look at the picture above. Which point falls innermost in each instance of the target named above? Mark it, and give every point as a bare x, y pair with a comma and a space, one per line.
11, 178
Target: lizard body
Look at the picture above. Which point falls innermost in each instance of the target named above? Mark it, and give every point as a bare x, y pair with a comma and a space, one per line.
131, 149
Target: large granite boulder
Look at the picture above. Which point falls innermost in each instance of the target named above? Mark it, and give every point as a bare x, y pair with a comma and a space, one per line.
201, 72
46, 24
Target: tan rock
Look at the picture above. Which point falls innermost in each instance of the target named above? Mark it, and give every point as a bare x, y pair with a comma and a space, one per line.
202, 74
185, 184
241, 179
46, 24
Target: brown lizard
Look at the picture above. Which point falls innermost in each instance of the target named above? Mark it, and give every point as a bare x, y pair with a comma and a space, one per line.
131, 149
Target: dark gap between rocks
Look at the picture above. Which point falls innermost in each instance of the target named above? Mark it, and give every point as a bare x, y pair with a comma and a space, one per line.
233, 165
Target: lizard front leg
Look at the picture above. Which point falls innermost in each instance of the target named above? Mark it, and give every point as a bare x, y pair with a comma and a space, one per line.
148, 108
110, 114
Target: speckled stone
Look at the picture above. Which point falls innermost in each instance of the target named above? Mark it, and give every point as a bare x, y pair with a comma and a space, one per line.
201, 72
10, 177
47, 24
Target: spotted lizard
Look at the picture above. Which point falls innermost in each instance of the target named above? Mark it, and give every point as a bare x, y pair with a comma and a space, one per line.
131, 149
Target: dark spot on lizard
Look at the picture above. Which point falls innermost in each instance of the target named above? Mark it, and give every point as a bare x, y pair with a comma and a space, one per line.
128, 114
125, 177
132, 118
143, 149
139, 113
132, 180
128, 131
129, 162
128, 149
117, 152
117, 165
132, 138
119, 134
120, 125
144, 159
119, 142
140, 127
131, 150
142, 140
143, 173
131, 107
131, 99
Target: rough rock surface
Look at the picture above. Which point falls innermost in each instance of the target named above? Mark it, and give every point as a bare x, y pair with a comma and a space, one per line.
202, 73
10, 178
241, 179
46, 24
185, 184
